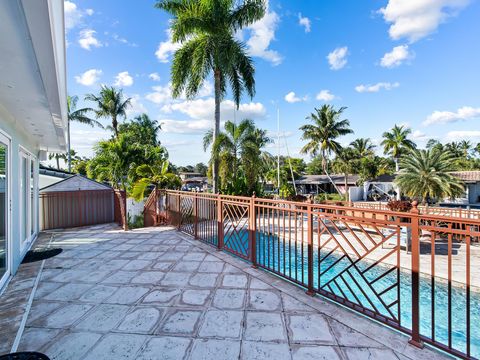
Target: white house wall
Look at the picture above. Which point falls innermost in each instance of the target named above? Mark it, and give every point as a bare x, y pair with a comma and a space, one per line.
18, 140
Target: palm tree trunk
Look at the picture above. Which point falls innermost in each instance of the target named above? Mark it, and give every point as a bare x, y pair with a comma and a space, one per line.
216, 128
57, 158
68, 148
115, 126
346, 187
397, 167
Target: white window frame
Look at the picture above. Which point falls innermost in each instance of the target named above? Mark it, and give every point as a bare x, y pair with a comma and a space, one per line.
28, 240
7, 140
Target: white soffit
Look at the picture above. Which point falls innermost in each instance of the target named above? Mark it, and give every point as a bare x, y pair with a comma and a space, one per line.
32, 69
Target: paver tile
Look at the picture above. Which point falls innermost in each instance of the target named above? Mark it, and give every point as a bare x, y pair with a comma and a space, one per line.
164, 348
263, 326
117, 346
183, 322
222, 324
229, 299
140, 320
204, 349
253, 350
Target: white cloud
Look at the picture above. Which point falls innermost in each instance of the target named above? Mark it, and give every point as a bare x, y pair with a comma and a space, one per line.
154, 76
338, 58
166, 48
416, 19
89, 77
160, 95
262, 33
419, 135
204, 109
122, 40
123, 79
444, 117
87, 39
186, 126
463, 134
291, 98
396, 57
136, 106
74, 15
376, 87
325, 95
305, 22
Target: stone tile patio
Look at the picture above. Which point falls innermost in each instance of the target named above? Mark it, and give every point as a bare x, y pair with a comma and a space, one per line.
157, 294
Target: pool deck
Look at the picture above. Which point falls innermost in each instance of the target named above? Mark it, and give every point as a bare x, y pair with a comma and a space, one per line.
158, 294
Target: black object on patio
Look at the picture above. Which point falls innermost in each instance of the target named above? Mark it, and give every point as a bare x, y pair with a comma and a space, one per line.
41, 254
24, 356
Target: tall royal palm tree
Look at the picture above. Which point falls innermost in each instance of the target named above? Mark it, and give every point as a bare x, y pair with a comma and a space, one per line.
396, 142
466, 147
206, 31
322, 135
110, 103
78, 115
425, 175
363, 147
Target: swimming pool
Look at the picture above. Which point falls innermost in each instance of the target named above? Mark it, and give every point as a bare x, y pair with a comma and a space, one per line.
290, 260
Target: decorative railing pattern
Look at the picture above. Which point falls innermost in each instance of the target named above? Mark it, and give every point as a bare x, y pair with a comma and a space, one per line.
412, 271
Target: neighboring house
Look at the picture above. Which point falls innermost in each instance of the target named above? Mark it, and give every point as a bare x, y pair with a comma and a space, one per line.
193, 181
318, 184
380, 189
472, 188
75, 183
48, 176
33, 116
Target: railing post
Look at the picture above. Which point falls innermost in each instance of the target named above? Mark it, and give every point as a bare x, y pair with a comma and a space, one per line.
415, 253
195, 214
179, 210
220, 223
310, 290
253, 232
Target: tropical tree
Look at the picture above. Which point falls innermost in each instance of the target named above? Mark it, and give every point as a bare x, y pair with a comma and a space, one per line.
363, 147
434, 143
207, 32
158, 175
396, 143
78, 115
346, 162
322, 135
425, 175
142, 129
465, 147
477, 149
57, 157
238, 152
113, 161
110, 103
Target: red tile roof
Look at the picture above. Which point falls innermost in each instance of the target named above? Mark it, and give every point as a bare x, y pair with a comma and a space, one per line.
467, 176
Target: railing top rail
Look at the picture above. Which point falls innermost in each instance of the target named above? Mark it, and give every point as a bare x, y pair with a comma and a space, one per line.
275, 203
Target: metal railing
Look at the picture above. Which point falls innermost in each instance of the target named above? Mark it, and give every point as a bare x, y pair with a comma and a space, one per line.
418, 273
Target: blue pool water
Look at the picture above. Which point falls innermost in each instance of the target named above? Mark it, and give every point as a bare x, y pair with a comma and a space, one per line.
290, 259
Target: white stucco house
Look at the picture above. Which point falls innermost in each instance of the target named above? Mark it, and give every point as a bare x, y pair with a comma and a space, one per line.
33, 116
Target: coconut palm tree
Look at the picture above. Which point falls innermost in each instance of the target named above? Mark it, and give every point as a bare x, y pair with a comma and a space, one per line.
322, 135
425, 175
238, 150
345, 163
157, 175
363, 147
110, 103
206, 31
396, 143
78, 115
465, 147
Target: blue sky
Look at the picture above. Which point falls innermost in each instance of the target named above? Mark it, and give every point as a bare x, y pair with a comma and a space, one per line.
412, 62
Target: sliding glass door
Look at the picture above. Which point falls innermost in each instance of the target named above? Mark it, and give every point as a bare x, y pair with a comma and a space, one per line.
4, 210
27, 199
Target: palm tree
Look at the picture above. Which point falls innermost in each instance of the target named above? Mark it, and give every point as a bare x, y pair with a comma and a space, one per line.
477, 149
345, 163
206, 30
238, 148
425, 175
57, 157
396, 143
322, 134
363, 147
157, 175
143, 129
79, 115
465, 147
111, 104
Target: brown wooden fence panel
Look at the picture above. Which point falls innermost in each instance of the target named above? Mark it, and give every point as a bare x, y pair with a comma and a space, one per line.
67, 209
